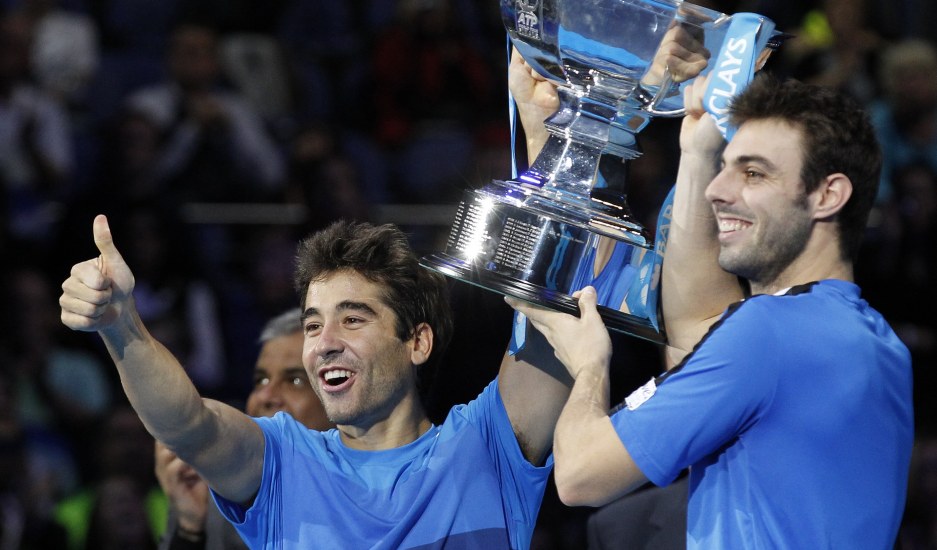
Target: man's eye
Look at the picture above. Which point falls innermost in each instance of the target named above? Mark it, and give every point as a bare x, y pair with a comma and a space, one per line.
311, 328
299, 381
261, 381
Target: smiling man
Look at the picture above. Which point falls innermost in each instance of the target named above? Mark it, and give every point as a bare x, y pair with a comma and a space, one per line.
793, 410
374, 326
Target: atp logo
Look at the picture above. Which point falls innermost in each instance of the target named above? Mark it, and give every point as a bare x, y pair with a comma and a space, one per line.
528, 24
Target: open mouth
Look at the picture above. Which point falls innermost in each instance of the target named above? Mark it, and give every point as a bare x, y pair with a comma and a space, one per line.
336, 377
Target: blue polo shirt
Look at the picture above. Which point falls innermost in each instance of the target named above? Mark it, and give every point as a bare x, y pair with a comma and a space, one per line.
794, 414
463, 484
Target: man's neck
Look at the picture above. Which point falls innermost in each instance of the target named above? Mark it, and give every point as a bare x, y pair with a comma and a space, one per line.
822, 258
399, 429
791, 278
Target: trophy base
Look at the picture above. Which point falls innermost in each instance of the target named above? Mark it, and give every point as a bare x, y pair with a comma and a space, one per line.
517, 243
557, 301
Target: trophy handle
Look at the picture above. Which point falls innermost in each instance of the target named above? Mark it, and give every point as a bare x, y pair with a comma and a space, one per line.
650, 102
660, 96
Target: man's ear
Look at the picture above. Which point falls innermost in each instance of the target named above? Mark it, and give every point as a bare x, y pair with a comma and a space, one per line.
421, 344
831, 195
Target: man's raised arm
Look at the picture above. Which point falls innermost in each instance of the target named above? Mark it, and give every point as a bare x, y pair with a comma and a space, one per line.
694, 289
221, 442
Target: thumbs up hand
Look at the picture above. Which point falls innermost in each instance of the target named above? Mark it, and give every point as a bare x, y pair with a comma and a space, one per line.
97, 291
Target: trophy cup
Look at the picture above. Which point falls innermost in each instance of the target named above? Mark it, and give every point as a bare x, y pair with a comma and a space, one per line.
565, 222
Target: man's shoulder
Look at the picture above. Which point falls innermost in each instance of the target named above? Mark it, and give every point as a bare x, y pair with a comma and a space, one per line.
488, 399
283, 427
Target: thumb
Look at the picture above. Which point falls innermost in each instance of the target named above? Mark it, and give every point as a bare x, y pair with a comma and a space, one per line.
587, 301
104, 241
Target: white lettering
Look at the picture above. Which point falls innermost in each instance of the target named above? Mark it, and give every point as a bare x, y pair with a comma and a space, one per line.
729, 60
527, 25
729, 77
526, 19
737, 45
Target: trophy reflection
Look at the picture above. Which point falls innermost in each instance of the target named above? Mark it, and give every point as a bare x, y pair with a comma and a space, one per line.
565, 223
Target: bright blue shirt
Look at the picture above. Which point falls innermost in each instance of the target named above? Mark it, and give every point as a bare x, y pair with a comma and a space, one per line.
794, 414
464, 484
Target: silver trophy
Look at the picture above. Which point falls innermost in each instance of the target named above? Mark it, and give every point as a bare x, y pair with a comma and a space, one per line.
565, 222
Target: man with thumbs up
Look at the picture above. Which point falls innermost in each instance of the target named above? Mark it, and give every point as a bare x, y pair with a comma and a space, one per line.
374, 323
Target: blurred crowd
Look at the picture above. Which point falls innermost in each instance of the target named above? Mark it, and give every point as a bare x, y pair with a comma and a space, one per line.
214, 134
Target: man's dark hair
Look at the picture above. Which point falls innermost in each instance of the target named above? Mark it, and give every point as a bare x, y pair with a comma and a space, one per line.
382, 254
836, 135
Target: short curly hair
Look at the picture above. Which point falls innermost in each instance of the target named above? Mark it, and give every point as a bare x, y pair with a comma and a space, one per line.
382, 254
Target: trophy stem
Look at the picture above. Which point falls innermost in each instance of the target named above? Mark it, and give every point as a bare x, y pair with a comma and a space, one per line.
565, 223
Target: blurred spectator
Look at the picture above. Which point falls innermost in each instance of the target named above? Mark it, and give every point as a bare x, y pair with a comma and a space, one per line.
835, 47
323, 179
897, 268
906, 116
326, 46
121, 491
36, 156
132, 37
26, 486
235, 16
178, 304
140, 27
256, 65
118, 519
62, 390
214, 146
65, 54
904, 19
433, 95
919, 530
127, 167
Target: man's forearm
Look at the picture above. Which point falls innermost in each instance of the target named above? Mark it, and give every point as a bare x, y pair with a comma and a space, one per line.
155, 383
592, 465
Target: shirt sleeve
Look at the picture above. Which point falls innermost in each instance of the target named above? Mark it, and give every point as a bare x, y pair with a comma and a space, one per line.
719, 390
256, 522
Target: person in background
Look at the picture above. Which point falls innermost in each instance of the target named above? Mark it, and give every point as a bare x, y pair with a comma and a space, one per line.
37, 156
215, 146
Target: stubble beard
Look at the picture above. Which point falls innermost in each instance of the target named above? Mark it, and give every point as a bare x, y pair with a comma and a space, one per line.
763, 260
376, 397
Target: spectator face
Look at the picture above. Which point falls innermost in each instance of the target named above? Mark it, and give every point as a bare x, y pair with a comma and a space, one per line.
281, 384
193, 57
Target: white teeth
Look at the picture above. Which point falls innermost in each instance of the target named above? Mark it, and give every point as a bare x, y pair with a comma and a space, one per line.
731, 225
333, 374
